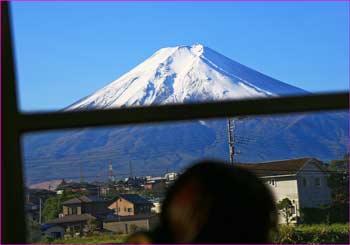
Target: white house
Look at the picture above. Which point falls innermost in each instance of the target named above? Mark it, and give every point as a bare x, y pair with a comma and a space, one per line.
303, 181
170, 176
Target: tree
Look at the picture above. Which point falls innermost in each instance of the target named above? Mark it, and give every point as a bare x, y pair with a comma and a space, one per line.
53, 205
338, 180
286, 209
90, 226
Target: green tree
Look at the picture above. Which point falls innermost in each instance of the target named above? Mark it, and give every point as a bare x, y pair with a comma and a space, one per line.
285, 206
338, 180
53, 205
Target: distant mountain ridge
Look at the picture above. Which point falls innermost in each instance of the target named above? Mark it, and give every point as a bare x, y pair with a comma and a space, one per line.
183, 74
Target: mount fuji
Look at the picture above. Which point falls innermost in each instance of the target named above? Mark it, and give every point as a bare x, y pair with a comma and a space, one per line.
185, 74
182, 74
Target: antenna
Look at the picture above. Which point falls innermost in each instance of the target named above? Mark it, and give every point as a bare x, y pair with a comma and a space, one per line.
110, 171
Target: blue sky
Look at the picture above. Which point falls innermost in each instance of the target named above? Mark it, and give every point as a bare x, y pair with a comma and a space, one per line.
68, 50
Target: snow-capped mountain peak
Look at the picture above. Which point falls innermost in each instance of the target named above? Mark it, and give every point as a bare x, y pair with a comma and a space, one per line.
185, 74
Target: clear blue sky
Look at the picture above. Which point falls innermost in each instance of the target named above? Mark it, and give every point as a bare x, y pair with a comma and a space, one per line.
68, 50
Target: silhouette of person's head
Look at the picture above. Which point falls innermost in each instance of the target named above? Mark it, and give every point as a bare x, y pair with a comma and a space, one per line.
213, 202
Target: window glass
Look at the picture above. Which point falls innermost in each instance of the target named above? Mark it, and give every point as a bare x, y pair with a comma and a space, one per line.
317, 181
292, 209
304, 180
101, 164
113, 54
104, 55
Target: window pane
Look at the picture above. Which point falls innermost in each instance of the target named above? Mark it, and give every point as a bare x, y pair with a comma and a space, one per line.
108, 55
139, 162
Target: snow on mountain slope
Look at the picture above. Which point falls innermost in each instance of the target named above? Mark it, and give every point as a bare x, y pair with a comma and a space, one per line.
185, 74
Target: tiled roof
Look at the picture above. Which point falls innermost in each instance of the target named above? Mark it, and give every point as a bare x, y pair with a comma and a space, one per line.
71, 219
74, 200
83, 199
46, 226
134, 198
283, 167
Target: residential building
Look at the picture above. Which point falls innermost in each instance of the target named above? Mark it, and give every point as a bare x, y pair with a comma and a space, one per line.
91, 189
157, 205
303, 181
71, 225
78, 213
92, 205
130, 204
170, 176
156, 185
55, 231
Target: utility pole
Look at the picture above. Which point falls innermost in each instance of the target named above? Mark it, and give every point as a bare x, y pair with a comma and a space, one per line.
231, 128
39, 210
81, 172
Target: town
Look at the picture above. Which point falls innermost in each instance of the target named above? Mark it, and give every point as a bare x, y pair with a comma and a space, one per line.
124, 206
119, 206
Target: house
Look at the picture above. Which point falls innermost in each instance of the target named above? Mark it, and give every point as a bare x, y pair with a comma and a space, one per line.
71, 225
130, 204
134, 183
91, 189
303, 181
155, 185
170, 176
78, 214
106, 189
92, 205
55, 231
157, 205
130, 224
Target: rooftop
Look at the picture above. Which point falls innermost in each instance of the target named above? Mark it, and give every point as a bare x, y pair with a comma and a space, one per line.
74, 185
282, 167
71, 219
83, 199
134, 198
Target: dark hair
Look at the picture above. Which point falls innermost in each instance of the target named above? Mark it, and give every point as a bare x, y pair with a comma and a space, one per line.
214, 202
